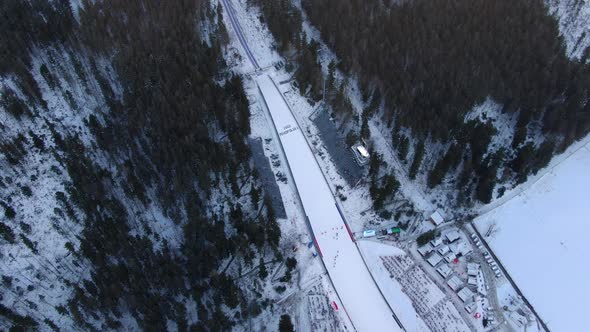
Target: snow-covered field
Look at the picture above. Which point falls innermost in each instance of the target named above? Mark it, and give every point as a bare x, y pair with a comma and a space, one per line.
574, 24
540, 237
361, 299
374, 252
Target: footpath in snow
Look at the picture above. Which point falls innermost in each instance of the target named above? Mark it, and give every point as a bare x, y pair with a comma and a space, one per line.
541, 237
358, 293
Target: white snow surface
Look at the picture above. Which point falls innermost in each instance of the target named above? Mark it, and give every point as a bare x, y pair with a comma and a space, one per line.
48, 270
574, 24
392, 290
541, 237
359, 294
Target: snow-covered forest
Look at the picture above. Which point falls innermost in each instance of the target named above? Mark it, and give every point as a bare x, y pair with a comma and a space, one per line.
473, 96
129, 198
140, 171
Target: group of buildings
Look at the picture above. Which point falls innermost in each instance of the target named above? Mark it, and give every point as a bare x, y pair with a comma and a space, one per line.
448, 249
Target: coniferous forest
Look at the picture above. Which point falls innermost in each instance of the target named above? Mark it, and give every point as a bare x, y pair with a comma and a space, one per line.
428, 63
129, 192
433, 60
170, 133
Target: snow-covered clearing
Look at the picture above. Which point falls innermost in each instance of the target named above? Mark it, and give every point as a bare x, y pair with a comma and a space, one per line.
374, 253
364, 304
409, 188
574, 24
36, 188
540, 236
504, 123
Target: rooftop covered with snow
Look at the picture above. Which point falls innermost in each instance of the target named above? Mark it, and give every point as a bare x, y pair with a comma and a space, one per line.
455, 283
425, 249
444, 270
465, 294
437, 218
434, 259
452, 236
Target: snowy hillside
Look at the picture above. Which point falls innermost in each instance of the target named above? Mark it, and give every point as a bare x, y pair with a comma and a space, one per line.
574, 24
452, 135
144, 185
42, 259
128, 197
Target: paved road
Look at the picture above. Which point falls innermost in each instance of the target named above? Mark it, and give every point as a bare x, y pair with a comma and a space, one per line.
238, 29
490, 279
518, 291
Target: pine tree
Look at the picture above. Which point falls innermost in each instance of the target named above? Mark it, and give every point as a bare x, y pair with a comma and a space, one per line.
425, 237
418, 155
375, 162
448, 161
6, 232
8, 210
519, 137
365, 130
262, 273
285, 324
402, 149
291, 263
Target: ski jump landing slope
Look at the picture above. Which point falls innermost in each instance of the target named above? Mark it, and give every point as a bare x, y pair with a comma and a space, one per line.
358, 293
